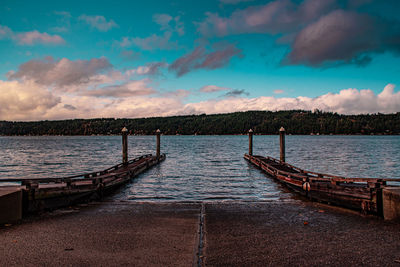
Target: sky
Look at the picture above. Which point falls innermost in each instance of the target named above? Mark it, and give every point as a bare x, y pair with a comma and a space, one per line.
130, 59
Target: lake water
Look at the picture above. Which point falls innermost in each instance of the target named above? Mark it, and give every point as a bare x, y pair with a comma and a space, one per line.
200, 167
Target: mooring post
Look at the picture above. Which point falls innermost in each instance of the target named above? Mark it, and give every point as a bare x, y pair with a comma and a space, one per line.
282, 143
125, 145
158, 133
251, 142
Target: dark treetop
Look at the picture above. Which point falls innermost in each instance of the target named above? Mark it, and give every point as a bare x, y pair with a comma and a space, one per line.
262, 122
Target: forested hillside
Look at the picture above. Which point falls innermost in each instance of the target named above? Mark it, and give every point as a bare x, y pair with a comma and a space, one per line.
262, 122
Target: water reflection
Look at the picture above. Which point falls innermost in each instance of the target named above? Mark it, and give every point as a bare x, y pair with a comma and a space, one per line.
200, 167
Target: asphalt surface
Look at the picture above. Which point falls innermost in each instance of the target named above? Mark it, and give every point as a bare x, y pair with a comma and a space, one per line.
231, 234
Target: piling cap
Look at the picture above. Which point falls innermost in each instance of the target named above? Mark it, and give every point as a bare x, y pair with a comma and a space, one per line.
158, 131
250, 131
124, 130
282, 129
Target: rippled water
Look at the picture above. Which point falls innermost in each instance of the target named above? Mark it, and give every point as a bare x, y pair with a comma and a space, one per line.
200, 167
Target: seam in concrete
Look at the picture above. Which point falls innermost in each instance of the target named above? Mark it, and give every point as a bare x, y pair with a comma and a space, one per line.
200, 262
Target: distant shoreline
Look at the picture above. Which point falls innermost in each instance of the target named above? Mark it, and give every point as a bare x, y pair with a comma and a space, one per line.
103, 135
296, 122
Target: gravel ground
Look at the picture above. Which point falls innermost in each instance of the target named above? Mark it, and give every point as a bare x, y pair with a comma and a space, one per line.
235, 234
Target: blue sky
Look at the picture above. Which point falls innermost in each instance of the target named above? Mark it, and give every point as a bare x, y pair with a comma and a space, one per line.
85, 59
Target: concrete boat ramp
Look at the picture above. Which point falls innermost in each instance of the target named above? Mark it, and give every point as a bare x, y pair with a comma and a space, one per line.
115, 233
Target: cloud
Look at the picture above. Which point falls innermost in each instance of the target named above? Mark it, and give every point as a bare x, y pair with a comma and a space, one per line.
163, 20
280, 16
5, 32
319, 33
129, 55
279, 91
64, 20
126, 107
358, 3
180, 93
236, 93
61, 73
98, 22
152, 68
64, 14
338, 36
212, 89
169, 26
33, 37
69, 107
344, 37
169, 23
59, 29
234, 2
152, 42
30, 38
131, 88
24, 100
347, 101
200, 58
27, 100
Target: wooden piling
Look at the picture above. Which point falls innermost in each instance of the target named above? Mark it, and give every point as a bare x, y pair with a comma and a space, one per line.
282, 143
158, 133
250, 142
125, 146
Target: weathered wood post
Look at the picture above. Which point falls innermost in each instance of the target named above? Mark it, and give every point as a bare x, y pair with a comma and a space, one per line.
251, 142
125, 145
282, 143
158, 133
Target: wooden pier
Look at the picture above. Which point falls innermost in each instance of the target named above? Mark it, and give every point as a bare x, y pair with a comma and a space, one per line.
50, 193
369, 195
37, 194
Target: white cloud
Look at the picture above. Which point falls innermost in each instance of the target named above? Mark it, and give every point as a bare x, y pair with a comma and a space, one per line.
347, 101
278, 91
35, 95
98, 22
127, 107
25, 100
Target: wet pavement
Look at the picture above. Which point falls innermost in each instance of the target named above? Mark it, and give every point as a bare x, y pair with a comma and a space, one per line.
118, 233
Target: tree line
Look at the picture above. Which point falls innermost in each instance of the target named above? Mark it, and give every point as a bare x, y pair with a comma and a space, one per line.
262, 122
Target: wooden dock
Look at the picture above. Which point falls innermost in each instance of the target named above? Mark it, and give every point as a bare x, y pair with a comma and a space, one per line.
364, 194
36, 194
